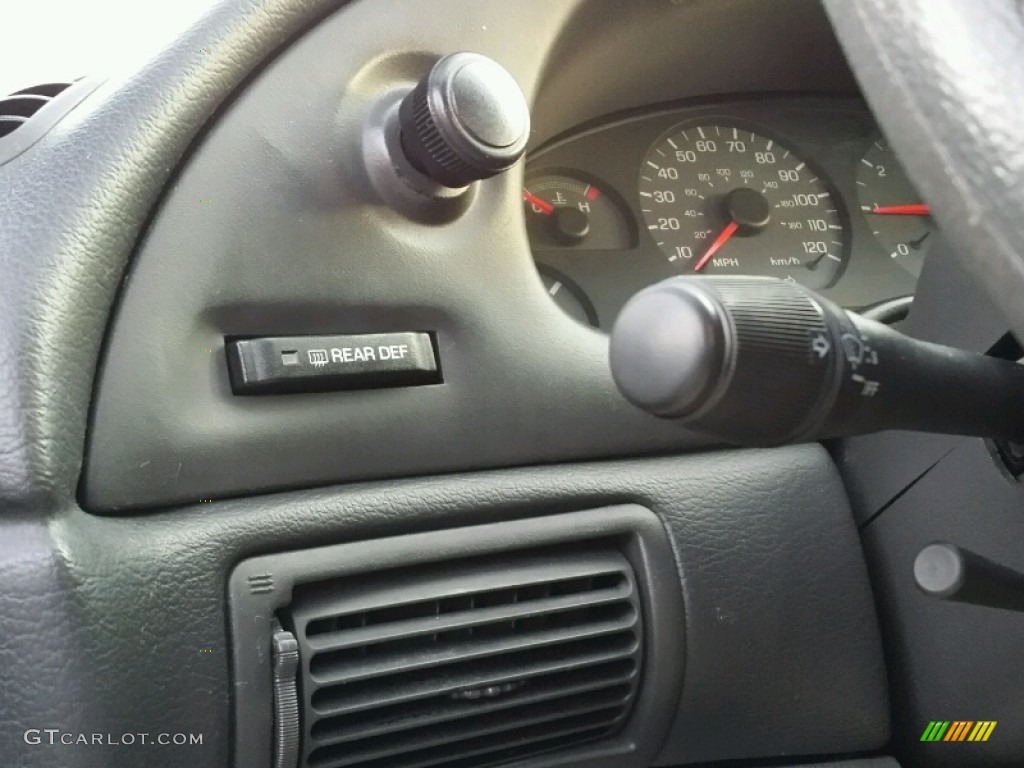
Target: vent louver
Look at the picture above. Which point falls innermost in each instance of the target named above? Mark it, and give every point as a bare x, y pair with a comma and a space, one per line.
18, 108
467, 664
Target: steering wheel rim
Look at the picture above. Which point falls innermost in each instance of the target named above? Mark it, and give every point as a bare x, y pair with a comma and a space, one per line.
941, 78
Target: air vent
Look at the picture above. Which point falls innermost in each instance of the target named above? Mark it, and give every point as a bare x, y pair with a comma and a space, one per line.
468, 663
557, 639
18, 108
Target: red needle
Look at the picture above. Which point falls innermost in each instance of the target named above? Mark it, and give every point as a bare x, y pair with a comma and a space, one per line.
545, 207
721, 240
903, 210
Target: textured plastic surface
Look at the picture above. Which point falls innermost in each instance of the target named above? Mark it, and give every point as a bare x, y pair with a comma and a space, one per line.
776, 662
42, 120
118, 626
771, 638
293, 240
636, 531
952, 660
78, 200
946, 659
287, 206
71, 212
941, 76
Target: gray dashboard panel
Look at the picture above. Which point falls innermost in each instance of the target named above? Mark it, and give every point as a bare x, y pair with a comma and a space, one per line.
619, 55
72, 207
947, 655
770, 645
271, 228
118, 625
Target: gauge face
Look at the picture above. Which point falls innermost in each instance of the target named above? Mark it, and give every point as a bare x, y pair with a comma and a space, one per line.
722, 200
568, 296
563, 211
893, 208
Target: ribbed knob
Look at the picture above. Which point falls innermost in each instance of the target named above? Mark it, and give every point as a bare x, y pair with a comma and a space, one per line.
734, 357
466, 120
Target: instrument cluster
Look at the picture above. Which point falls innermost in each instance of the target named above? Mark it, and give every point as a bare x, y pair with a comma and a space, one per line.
803, 189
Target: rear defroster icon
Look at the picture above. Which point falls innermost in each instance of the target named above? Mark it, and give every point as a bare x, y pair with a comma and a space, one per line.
318, 357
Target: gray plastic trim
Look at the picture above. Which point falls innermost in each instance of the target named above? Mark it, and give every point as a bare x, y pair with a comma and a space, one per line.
121, 624
13, 144
71, 211
274, 226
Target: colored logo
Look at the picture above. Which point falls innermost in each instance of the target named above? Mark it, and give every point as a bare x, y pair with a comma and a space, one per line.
958, 730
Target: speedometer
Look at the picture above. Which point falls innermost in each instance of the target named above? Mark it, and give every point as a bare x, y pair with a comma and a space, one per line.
723, 200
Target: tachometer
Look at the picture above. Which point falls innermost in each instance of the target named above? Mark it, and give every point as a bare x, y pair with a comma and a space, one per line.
898, 218
723, 200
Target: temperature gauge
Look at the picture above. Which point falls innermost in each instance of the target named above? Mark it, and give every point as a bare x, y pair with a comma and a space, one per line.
564, 211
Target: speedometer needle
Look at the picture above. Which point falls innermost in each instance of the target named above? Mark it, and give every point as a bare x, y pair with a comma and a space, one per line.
722, 239
902, 210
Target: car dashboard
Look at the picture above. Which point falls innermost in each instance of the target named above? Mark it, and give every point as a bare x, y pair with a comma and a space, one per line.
230, 195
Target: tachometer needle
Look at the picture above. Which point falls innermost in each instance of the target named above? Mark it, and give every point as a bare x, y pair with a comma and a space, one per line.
902, 210
722, 239
545, 207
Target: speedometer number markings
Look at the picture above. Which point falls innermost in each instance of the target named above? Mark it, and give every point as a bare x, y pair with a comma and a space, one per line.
730, 202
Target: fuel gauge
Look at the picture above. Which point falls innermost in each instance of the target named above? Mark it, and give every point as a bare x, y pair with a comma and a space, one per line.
565, 211
569, 297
